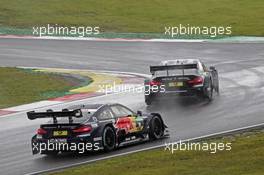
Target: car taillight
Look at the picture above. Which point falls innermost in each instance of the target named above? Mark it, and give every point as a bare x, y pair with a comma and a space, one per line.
41, 131
196, 81
154, 83
83, 129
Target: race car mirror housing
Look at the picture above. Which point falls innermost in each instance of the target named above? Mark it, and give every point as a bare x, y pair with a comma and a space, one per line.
139, 113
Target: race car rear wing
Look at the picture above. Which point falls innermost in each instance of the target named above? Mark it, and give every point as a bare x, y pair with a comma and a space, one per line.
171, 67
32, 115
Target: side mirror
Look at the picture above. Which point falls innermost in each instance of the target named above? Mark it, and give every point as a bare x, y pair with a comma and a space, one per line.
139, 113
212, 68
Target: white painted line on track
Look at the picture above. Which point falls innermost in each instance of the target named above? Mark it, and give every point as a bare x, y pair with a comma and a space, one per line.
101, 39
93, 70
56, 105
237, 40
33, 105
145, 149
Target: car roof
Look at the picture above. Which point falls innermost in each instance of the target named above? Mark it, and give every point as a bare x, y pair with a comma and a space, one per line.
94, 106
180, 62
86, 106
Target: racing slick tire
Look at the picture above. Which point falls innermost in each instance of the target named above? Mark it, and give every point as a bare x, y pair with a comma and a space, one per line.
217, 88
156, 128
109, 139
208, 92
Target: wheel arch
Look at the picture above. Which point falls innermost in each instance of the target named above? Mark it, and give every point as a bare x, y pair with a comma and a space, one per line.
105, 125
159, 116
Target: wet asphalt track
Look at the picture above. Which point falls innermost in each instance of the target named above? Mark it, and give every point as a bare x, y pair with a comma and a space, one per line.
241, 103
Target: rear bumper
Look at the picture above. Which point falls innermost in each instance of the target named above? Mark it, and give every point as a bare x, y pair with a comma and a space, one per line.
177, 93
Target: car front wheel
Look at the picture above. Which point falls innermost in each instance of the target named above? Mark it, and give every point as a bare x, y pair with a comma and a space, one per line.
156, 129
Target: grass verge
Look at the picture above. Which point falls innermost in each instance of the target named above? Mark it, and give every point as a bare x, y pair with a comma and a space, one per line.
246, 157
21, 86
145, 16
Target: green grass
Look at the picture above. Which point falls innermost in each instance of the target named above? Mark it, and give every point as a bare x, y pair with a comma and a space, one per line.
245, 158
20, 86
245, 16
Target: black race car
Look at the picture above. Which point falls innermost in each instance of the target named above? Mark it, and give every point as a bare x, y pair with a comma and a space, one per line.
94, 127
182, 77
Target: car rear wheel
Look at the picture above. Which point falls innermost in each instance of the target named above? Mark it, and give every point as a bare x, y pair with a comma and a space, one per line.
209, 92
217, 88
156, 129
109, 139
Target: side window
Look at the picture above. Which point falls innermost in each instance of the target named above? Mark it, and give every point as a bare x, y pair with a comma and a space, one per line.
105, 114
121, 111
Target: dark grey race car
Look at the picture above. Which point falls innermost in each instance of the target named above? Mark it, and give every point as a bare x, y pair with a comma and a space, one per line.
182, 77
98, 126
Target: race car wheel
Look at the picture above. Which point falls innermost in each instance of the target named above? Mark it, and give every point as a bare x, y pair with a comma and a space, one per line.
210, 91
109, 139
156, 129
217, 87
